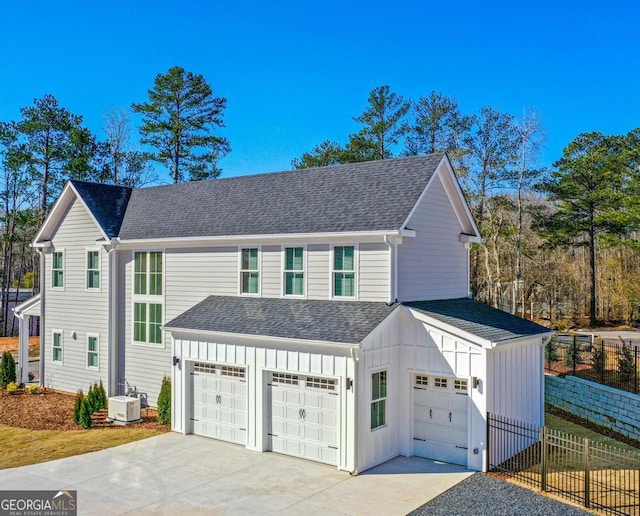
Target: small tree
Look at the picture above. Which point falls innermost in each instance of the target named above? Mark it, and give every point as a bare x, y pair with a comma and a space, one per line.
85, 414
77, 407
551, 352
164, 402
598, 358
573, 355
91, 398
7, 370
626, 364
103, 395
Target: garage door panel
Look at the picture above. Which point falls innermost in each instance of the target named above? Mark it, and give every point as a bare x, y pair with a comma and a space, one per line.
303, 417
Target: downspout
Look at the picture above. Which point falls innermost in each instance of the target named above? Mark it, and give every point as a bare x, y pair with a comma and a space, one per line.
112, 331
43, 333
355, 357
545, 341
393, 269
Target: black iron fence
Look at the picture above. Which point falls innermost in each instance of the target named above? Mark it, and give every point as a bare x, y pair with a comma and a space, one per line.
600, 477
607, 361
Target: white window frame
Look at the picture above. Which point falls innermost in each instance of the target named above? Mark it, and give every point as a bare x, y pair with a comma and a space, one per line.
241, 270
97, 351
356, 271
61, 347
86, 267
385, 398
148, 299
283, 275
64, 275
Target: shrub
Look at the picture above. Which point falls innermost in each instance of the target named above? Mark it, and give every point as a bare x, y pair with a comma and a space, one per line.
85, 414
7, 370
551, 352
77, 407
598, 358
103, 396
12, 388
573, 354
626, 364
91, 399
33, 389
164, 402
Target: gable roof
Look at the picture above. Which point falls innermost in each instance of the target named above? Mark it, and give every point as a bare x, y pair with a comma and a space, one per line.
368, 196
303, 319
107, 203
478, 319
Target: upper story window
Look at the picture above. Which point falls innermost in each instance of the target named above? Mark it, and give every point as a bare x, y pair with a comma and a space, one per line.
249, 271
93, 270
344, 271
147, 297
93, 354
57, 269
294, 271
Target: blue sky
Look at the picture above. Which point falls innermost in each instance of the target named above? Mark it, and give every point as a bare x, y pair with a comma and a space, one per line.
295, 73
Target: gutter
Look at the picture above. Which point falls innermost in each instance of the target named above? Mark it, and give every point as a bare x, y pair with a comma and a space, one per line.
43, 332
393, 269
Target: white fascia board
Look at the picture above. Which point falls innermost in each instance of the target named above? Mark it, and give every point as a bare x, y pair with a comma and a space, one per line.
389, 319
460, 195
360, 236
29, 304
260, 338
424, 192
470, 239
58, 208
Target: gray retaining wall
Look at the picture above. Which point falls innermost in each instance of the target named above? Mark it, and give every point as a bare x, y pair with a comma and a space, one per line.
602, 405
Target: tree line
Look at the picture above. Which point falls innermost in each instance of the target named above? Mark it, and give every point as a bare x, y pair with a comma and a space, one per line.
559, 244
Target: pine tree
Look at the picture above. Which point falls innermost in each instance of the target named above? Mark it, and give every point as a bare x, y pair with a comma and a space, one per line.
551, 354
626, 364
85, 414
77, 407
103, 395
598, 358
7, 370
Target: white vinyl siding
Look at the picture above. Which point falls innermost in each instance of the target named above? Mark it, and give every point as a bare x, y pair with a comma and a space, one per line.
57, 269
148, 299
57, 356
93, 352
75, 310
93, 269
433, 264
318, 271
373, 272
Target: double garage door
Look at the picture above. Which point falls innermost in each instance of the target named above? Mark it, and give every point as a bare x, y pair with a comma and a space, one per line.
440, 418
301, 411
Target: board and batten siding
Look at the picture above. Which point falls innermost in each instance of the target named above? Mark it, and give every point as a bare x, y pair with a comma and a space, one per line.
75, 309
259, 359
433, 264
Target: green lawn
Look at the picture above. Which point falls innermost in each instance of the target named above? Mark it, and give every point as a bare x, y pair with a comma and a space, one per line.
19, 446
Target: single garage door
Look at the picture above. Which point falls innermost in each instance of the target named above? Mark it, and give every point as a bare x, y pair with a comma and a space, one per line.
440, 424
303, 416
220, 402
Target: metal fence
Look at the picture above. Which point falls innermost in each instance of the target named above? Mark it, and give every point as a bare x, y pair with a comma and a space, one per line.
598, 476
610, 362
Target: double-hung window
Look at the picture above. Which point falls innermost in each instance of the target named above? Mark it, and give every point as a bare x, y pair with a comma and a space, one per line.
147, 297
93, 270
57, 269
344, 271
249, 271
93, 355
378, 399
57, 347
294, 271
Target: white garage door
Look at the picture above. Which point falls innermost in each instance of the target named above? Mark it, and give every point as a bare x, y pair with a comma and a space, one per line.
440, 418
304, 416
220, 402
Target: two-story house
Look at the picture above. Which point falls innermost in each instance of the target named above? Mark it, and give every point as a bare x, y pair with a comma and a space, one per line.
320, 313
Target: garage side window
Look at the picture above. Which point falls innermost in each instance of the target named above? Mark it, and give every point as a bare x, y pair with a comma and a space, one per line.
147, 297
57, 269
378, 399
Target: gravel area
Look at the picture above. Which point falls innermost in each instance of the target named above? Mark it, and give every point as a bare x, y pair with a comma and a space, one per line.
480, 494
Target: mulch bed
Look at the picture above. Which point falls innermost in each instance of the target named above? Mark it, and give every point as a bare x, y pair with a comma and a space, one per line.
53, 410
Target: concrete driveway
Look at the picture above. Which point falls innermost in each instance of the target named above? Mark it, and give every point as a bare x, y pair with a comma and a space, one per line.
172, 473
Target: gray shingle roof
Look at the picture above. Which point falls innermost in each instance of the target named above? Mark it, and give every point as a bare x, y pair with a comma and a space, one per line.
106, 202
478, 319
371, 196
332, 321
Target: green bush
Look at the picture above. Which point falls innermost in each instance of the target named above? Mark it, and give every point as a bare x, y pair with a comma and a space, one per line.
626, 364
551, 352
33, 389
102, 395
164, 402
7, 370
77, 407
12, 388
598, 358
85, 414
